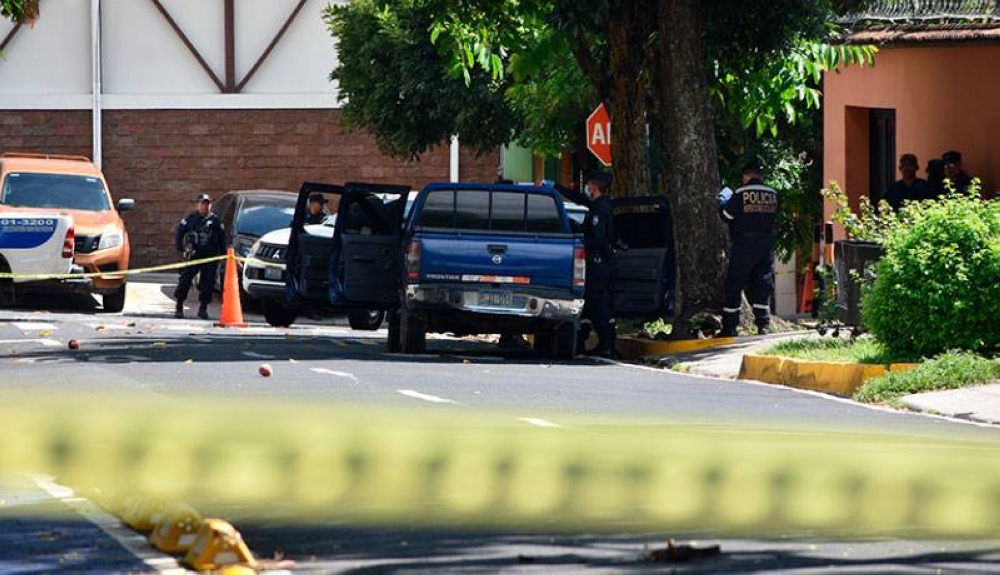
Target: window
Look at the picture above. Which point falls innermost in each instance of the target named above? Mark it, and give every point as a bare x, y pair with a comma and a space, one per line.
261, 219
504, 211
508, 212
439, 210
543, 215
472, 210
32, 190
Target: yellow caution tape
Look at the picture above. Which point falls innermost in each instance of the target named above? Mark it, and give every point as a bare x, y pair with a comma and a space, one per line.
118, 273
395, 467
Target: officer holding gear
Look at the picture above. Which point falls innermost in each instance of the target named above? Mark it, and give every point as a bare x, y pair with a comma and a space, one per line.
200, 235
751, 212
317, 209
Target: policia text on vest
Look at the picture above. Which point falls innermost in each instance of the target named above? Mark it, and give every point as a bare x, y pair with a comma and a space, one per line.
751, 212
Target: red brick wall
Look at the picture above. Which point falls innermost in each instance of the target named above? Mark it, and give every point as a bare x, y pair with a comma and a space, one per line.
164, 158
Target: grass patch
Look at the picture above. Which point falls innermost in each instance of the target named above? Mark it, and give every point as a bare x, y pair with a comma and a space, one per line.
860, 350
951, 370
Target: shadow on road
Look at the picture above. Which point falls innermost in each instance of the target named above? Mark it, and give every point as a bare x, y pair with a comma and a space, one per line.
152, 345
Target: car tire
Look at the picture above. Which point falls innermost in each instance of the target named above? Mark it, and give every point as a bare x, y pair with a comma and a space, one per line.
564, 340
412, 333
543, 343
394, 342
366, 319
6, 286
114, 302
276, 314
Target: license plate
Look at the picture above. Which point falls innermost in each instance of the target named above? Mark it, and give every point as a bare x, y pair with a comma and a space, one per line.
273, 274
498, 299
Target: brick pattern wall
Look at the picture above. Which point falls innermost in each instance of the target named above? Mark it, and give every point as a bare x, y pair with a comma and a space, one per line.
164, 158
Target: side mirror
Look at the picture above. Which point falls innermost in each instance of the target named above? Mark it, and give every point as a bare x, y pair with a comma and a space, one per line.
126, 205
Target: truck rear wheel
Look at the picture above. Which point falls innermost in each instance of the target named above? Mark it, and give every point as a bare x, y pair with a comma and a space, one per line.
412, 333
366, 319
6, 286
276, 314
557, 341
114, 302
564, 340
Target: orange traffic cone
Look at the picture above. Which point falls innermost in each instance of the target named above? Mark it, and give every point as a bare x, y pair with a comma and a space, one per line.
232, 311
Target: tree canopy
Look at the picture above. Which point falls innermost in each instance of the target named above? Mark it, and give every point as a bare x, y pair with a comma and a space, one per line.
700, 77
20, 11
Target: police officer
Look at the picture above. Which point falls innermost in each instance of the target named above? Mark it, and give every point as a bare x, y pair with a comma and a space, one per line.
317, 209
199, 235
751, 212
600, 240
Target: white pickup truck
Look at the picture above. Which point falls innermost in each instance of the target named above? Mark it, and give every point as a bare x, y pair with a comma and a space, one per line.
35, 246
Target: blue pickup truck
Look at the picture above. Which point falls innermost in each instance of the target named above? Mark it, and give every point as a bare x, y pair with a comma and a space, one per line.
467, 259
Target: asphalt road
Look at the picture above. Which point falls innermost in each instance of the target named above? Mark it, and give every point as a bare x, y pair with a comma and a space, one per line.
148, 353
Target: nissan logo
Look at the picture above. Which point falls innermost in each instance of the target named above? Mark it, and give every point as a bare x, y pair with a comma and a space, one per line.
498, 259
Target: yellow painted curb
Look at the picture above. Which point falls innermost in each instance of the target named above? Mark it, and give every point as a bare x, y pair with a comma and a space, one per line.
634, 348
836, 378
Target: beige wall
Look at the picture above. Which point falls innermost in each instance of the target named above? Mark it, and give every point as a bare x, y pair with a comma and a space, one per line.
945, 98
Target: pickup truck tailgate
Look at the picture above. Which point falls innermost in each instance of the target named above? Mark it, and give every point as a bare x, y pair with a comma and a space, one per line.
537, 261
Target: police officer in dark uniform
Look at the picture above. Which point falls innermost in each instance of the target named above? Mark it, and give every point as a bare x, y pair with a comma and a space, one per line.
600, 240
199, 235
317, 209
751, 212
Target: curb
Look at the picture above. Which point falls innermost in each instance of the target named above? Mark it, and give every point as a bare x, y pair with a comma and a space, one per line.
836, 378
630, 348
202, 544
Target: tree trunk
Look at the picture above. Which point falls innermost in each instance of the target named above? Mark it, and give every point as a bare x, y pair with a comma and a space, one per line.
629, 28
687, 135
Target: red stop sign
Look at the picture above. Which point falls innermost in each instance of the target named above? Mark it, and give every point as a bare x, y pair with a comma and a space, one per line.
599, 134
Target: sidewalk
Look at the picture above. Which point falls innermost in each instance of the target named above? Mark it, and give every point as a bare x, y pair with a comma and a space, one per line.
979, 404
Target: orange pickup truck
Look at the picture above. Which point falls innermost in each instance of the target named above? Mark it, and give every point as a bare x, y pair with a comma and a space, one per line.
73, 185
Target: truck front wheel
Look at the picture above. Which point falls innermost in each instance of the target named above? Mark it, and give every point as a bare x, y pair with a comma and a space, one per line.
366, 319
395, 345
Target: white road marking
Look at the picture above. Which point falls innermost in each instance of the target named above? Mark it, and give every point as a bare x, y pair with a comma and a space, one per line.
256, 355
33, 326
44, 342
425, 397
540, 422
324, 371
133, 542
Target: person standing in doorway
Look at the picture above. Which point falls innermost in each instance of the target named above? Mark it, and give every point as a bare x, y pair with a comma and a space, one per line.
752, 213
909, 187
200, 235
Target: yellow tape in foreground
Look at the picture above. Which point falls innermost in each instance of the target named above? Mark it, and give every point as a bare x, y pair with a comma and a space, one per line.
383, 467
146, 270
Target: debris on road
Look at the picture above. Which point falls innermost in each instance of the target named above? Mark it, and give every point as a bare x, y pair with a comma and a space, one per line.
73, 344
675, 552
265, 370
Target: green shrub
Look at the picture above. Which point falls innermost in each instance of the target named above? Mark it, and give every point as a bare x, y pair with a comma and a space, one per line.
860, 350
949, 371
936, 287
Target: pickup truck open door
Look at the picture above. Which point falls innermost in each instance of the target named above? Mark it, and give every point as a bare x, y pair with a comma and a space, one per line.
366, 259
645, 285
358, 269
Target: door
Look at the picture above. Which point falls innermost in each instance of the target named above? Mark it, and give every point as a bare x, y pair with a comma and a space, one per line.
882, 152
308, 256
366, 253
645, 285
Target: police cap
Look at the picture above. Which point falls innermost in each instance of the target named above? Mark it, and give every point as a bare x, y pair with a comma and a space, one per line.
204, 198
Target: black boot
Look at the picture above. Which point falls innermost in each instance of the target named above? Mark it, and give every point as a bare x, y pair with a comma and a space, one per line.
203, 311
179, 310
